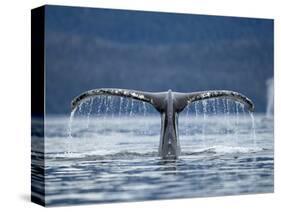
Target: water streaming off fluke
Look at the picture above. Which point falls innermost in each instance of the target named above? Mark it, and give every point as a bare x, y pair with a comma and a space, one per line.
230, 113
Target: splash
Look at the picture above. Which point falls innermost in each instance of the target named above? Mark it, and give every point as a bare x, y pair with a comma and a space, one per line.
270, 98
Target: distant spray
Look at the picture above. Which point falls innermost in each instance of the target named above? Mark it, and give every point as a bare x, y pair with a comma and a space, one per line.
270, 97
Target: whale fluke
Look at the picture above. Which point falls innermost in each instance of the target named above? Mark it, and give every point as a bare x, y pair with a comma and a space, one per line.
169, 104
183, 99
138, 95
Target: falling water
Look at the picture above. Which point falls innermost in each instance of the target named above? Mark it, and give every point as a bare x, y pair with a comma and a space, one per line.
236, 120
226, 113
100, 100
214, 106
71, 118
144, 108
224, 108
127, 106
187, 116
78, 108
132, 107
196, 109
120, 106
217, 103
204, 103
70, 122
243, 111
107, 100
111, 106
253, 128
89, 112
144, 115
196, 112
227, 107
137, 108
232, 112
105, 105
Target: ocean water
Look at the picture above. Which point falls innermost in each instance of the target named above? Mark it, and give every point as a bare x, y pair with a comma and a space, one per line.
113, 157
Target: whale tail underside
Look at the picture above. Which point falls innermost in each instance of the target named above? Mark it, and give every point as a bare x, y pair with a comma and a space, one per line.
184, 99
152, 98
157, 99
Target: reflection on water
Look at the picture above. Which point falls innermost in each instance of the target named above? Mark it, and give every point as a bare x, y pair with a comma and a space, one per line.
115, 159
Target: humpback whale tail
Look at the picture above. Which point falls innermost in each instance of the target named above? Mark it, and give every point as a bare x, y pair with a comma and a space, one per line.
169, 104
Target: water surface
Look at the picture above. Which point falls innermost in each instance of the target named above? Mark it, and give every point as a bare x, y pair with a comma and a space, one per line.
114, 158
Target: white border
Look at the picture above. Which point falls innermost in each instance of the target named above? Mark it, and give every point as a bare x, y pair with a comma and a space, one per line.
15, 103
